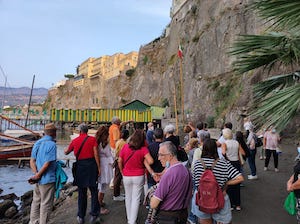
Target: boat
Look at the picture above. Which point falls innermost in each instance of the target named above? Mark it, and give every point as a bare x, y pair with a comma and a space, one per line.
18, 143
14, 147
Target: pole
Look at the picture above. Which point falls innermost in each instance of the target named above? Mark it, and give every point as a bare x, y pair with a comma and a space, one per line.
29, 101
15, 123
5, 83
175, 108
181, 90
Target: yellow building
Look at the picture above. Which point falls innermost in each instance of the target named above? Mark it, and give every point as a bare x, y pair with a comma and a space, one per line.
78, 80
105, 66
86, 67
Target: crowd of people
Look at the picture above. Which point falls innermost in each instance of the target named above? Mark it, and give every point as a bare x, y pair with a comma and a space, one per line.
171, 171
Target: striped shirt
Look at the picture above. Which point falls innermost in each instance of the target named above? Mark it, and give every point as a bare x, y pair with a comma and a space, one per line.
223, 171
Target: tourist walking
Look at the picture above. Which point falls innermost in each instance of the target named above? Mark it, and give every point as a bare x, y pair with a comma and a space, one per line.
156, 167
87, 172
131, 164
225, 174
43, 165
221, 140
106, 163
230, 151
150, 133
247, 125
271, 144
114, 132
293, 184
174, 191
117, 173
252, 153
239, 136
198, 151
169, 132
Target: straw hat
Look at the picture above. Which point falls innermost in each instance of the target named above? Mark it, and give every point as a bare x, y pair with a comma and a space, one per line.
50, 126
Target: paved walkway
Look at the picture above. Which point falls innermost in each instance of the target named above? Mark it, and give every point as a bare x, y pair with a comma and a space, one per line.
262, 199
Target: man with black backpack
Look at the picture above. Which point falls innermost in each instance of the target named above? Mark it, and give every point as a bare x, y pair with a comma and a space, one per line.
211, 175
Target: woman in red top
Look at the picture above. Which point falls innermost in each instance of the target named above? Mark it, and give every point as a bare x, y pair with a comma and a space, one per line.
131, 164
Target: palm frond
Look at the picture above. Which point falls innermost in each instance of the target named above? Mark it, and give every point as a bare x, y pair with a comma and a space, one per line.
284, 14
272, 85
279, 108
256, 51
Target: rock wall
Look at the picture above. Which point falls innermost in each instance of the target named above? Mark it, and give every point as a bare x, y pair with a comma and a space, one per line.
211, 89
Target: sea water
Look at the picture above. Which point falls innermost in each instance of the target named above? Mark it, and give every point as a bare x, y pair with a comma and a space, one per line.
14, 179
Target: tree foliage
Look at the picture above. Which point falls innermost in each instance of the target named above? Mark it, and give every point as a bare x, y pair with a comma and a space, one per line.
277, 99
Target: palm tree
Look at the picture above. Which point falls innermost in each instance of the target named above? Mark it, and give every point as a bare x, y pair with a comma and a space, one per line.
277, 99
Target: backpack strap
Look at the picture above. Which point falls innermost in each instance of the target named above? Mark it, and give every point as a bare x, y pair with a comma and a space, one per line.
212, 166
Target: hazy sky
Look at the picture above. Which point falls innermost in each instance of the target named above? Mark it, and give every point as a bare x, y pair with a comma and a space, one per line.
49, 38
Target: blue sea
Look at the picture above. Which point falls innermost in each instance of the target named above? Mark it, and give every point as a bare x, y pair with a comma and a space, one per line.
14, 179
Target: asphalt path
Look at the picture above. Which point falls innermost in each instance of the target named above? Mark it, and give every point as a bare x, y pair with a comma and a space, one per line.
261, 199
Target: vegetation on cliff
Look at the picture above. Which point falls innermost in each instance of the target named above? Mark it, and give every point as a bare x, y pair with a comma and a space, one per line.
277, 99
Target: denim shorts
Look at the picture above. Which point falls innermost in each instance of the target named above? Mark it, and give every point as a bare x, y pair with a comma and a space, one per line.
223, 216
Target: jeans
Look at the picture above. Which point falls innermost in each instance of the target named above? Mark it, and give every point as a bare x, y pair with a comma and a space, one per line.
191, 216
234, 191
251, 161
269, 152
134, 186
42, 203
82, 201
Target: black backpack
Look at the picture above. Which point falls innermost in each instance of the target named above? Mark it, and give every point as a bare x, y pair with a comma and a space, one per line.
258, 141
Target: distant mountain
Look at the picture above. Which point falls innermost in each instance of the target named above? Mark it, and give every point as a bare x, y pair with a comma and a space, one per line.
20, 96
23, 91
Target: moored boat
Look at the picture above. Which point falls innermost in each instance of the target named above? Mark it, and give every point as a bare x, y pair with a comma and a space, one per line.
15, 151
14, 147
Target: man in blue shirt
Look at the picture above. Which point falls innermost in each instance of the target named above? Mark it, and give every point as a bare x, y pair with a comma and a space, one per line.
43, 165
150, 133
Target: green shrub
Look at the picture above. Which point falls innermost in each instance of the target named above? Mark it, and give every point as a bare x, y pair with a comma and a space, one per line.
210, 121
213, 85
145, 59
165, 102
194, 9
130, 72
196, 38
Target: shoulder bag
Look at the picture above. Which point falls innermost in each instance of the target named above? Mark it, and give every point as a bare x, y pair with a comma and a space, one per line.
74, 165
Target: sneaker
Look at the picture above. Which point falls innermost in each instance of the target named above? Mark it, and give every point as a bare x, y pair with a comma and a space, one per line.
265, 168
118, 198
238, 208
93, 219
276, 170
80, 220
261, 158
250, 177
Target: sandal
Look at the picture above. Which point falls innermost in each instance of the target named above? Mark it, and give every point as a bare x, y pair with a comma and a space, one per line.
104, 211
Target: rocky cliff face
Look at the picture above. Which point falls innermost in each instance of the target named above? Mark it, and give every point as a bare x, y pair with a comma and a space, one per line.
205, 29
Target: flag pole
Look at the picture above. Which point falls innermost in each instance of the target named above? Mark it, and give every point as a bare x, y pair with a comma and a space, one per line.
175, 108
181, 90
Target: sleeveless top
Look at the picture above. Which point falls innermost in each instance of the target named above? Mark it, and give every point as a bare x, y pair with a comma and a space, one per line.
232, 151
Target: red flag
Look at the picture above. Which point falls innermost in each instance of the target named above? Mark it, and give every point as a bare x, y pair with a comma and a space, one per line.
180, 55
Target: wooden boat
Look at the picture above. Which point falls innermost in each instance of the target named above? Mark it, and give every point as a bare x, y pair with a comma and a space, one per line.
18, 143
14, 147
